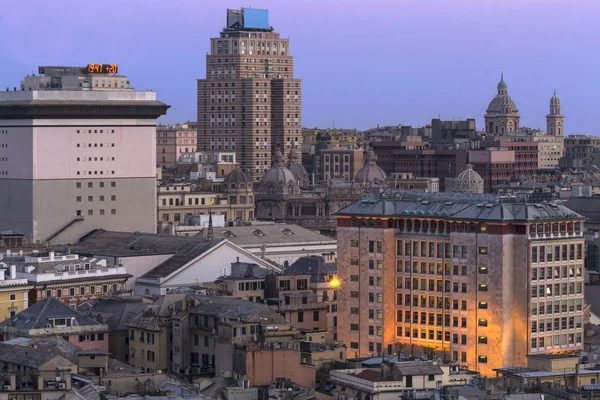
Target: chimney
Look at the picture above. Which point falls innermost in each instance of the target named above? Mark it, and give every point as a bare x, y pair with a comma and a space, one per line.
51, 254
8, 253
13, 271
2, 274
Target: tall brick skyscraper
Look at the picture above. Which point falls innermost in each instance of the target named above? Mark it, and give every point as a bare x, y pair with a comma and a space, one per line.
249, 101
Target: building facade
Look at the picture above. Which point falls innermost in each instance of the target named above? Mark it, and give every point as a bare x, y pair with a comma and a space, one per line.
173, 141
67, 277
177, 203
580, 150
76, 159
249, 100
467, 277
340, 163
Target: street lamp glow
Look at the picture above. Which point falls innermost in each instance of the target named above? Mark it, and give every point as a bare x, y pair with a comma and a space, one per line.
334, 282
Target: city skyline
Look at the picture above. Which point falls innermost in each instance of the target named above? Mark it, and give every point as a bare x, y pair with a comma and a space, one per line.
158, 43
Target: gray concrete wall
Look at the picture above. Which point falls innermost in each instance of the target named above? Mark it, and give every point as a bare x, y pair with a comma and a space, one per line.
41, 208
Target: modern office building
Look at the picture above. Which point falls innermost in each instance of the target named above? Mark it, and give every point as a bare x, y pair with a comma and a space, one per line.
77, 152
467, 277
249, 101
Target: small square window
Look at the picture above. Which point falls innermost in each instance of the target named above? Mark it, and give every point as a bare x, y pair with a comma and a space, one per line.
90, 212
113, 212
78, 212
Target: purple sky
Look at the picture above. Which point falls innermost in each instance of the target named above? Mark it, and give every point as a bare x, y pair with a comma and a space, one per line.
362, 63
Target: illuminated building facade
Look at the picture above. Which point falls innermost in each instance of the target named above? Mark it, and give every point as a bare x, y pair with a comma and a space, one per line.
473, 278
250, 101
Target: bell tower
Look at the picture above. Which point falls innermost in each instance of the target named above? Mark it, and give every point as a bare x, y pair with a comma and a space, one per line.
555, 121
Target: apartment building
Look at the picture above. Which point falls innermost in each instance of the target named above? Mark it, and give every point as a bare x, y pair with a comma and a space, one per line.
580, 150
78, 156
172, 141
249, 101
177, 203
471, 278
70, 278
53, 318
150, 344
340, 163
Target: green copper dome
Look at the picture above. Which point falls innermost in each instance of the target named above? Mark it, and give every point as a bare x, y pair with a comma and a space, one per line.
502, 84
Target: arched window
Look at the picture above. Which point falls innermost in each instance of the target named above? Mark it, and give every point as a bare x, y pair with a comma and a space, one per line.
286, 264
271, 189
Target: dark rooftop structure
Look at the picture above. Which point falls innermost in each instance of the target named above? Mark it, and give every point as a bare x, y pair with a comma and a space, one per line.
25, 356
115, 311
42, 314
231, 308
134, 244
475, 207
314, 266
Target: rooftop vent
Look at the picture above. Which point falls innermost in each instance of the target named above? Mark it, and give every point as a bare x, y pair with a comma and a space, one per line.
228, 234
287, 231
258, 232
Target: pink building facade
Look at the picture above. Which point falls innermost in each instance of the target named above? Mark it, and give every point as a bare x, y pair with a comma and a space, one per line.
172, 141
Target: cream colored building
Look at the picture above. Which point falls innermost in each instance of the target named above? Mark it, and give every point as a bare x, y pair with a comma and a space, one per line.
177, 202
150, 333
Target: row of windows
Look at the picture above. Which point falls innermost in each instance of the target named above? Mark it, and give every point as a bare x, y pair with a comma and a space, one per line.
3, 132
90, 185
95, 145
197, 340
100, 198
95, 131
150, 354
556, 307
301, 316
149, 337
435, 268
542, 273
557, 324
95, 159
83, 290
438, 302
433, 285
100, 212
558, 289
556, 340
95, 172
557, 253
91, 337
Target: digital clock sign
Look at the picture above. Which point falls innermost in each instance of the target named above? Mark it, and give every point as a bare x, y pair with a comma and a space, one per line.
102, 68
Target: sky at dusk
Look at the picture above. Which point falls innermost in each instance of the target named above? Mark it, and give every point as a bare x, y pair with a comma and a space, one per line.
362, 63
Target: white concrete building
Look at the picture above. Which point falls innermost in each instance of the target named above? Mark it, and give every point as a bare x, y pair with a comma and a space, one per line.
74, 158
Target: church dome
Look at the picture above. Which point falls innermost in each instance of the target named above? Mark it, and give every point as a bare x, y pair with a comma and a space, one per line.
278, 174
502, 103
501, 84
370, 172
236, 179
298, 169
469, 181
554, 98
